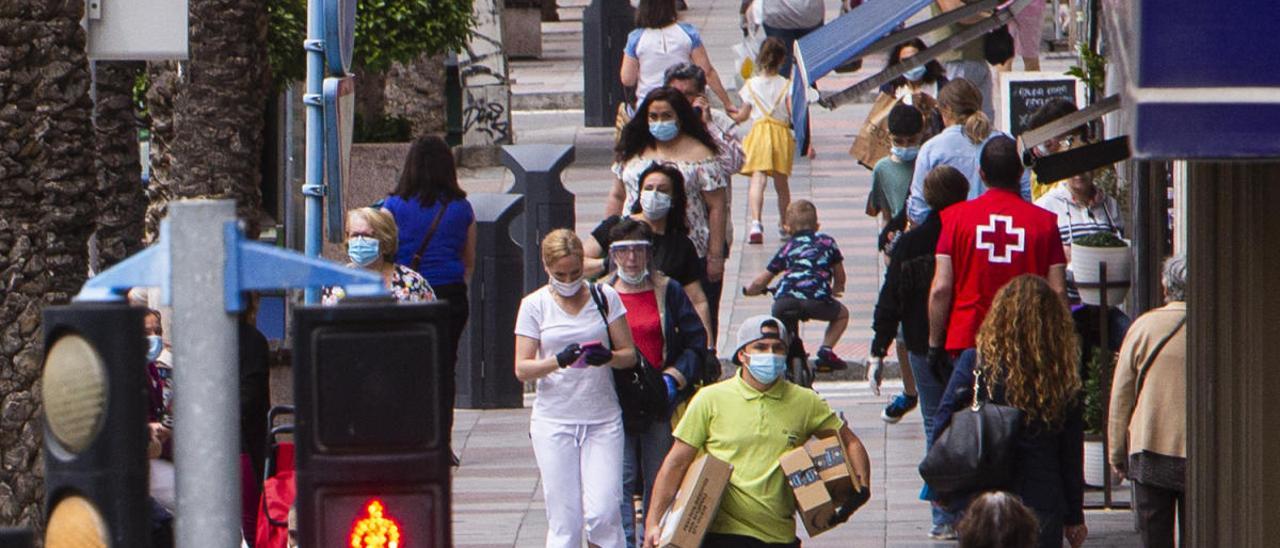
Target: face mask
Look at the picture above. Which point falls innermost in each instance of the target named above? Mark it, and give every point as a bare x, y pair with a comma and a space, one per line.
155, 345
664, 131
566, 289
654, 204
915, 74
362, 250
637, 279
907, 154
766, 367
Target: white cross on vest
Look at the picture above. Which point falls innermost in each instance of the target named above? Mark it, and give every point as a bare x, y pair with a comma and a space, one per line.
1001, 243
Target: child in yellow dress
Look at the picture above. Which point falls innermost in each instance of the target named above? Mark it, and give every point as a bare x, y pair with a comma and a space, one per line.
770, 145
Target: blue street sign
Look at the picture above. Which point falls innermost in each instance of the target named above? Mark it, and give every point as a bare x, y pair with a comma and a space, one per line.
339, 34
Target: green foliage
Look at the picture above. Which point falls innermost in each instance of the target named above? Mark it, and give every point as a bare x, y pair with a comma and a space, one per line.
1095, 402
386, 129
1092, 69
387, 31
1099, 239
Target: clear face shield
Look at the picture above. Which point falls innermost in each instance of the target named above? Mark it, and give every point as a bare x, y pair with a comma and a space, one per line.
631, 260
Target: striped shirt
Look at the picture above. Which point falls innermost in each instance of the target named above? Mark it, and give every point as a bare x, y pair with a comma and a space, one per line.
1076, 220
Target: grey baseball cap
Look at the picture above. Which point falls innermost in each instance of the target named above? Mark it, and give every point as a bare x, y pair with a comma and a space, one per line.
752, 330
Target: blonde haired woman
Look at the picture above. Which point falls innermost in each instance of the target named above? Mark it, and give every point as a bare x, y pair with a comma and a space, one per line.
958, 145
565, 343
372, 241
1028, 357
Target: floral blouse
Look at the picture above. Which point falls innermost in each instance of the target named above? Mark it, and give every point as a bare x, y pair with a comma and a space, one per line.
407, 286
700, 176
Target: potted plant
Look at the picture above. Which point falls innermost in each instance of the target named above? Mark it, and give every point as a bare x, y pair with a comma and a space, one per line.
1087, 252
1096, 368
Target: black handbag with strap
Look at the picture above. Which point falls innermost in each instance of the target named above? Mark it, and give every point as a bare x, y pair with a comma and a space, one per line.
975, 452
642, 393
426, 239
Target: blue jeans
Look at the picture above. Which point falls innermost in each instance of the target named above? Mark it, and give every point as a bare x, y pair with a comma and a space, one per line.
930, 390
642, 456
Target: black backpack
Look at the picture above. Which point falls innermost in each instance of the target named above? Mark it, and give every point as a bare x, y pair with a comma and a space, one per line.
642, 393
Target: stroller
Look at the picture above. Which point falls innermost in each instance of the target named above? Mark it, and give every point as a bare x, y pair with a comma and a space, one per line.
278, 486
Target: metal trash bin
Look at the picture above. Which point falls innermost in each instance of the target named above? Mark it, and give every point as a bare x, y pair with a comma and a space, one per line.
486, 354
548, 205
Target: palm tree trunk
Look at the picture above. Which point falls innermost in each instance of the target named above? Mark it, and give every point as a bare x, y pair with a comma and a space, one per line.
208, 112
122, 204
46, 213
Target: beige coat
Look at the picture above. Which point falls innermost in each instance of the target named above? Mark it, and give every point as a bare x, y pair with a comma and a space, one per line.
1157, 421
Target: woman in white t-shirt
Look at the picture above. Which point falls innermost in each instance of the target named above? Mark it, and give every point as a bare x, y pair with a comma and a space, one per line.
658, 43
563, 342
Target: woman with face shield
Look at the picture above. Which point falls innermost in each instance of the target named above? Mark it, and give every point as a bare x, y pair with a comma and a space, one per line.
661, 206
372, 241
567, 343
670, 336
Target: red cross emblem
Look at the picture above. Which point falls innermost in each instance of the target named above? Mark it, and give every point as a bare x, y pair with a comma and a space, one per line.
1001, 239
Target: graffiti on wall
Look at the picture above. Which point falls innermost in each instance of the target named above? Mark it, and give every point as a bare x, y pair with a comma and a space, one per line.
486, 114
488, 118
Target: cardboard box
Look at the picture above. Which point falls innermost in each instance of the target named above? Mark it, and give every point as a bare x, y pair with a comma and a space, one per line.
695, 505
813, 502
833, 467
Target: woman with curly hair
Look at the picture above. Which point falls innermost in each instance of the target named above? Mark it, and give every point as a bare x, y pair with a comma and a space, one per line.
1029, 358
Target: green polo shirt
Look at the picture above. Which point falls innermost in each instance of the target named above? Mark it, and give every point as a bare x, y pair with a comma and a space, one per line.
750, 429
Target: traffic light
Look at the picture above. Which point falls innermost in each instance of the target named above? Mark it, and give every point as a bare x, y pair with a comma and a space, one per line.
95, 426
372, 455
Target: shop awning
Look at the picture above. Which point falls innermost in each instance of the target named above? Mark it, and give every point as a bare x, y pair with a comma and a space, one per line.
866, 30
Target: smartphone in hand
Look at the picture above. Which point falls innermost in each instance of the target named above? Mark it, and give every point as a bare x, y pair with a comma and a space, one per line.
581, 362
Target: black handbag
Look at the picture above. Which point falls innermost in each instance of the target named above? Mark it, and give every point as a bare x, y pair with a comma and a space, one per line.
642, 393
974, 453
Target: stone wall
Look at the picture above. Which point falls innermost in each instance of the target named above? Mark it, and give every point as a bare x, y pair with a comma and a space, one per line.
415, 91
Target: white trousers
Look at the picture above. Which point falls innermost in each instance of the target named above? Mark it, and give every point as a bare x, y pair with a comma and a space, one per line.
581, 466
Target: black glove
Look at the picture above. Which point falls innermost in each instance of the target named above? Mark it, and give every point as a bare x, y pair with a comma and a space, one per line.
846, 510
939, 363
569, 355
598, 355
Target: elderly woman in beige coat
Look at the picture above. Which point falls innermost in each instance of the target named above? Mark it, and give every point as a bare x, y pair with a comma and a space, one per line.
1148, 426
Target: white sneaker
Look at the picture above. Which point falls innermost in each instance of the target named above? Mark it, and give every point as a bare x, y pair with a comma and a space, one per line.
756, 235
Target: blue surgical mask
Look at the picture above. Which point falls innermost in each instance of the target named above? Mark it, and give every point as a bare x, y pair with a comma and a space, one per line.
905, 154
916, 74
362, 250
155, 345
664, 131
766, 367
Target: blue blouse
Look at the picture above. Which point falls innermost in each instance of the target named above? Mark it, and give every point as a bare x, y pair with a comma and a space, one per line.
952, 148
442, 260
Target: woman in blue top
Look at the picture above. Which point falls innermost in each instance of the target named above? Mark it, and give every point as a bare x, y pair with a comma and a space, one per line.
958, 146
429, 205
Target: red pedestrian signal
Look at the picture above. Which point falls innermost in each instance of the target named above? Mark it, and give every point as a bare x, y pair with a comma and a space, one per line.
374, 529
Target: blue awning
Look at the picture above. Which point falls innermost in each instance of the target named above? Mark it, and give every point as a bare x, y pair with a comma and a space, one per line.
839, 41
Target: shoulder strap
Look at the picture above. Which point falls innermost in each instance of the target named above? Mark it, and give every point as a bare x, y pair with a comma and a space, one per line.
1151, 358
602, 304
426, 239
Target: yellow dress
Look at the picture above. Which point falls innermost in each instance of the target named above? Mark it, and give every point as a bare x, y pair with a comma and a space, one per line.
770, 146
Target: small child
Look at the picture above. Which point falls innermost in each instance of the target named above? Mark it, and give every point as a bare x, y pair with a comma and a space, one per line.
891, 177
770, 145
813, 276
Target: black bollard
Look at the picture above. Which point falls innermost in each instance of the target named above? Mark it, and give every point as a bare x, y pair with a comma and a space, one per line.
605, 25
548, 205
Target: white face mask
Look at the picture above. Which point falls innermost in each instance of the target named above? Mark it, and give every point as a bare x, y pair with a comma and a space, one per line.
567, 289
654, 204
637, 279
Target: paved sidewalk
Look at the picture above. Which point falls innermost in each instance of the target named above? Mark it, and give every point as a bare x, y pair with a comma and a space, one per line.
497, 497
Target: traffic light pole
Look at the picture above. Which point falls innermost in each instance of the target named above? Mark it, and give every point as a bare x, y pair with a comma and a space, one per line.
203, 278
206, 379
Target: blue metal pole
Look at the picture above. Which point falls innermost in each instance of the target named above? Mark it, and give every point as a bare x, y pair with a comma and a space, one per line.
313, 187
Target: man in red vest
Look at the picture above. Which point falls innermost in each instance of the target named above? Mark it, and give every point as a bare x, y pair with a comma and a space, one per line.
986, 242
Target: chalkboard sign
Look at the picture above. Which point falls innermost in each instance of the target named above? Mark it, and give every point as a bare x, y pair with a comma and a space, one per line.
1022, 93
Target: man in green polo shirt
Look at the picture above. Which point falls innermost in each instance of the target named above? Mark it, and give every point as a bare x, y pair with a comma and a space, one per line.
749, 421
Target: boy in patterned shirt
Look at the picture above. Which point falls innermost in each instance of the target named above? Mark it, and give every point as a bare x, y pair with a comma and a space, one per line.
812, 270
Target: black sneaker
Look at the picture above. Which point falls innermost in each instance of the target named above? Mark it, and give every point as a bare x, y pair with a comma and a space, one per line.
899, 406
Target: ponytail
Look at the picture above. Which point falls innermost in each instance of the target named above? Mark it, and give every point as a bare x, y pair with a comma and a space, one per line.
977, 127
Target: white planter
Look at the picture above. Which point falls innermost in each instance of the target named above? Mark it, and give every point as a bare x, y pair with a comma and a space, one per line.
1095, 466
1084, 269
